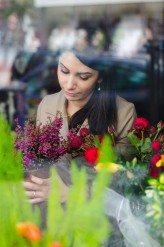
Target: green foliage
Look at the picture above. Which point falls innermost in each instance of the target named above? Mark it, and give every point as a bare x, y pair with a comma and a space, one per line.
14, 208
132, 179
134, 139
107, 153
155, 207
20, 7
82, 222
10, 160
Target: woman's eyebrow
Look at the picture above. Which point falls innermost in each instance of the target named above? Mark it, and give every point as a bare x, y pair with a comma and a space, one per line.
79, 73
63, 66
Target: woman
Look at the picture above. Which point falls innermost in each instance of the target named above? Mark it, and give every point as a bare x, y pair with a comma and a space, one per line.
87, 98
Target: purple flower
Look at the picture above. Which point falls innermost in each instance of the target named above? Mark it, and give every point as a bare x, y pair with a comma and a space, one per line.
40, 142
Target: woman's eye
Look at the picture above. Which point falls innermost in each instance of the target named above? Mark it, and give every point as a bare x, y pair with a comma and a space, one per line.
64, 71
84, 78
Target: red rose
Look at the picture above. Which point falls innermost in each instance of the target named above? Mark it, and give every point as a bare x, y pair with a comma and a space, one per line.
155, 172
76, 141
141, 124
91, 155
155, 159
156, 145
84, 132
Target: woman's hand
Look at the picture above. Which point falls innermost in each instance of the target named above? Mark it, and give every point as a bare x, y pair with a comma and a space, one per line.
37, 189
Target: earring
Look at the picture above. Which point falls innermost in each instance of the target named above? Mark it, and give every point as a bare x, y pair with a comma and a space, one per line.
99, 88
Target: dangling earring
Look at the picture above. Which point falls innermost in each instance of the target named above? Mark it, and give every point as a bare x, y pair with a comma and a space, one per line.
99, 88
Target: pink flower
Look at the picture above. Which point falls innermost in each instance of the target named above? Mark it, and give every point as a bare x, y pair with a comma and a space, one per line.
141, 124
156, 145
155, 159
84, 132
91, 155
40, 142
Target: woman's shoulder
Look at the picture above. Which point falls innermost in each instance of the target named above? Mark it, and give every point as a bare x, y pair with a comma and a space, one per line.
126, 114
50, 105
124, 107
55, 97
122, 102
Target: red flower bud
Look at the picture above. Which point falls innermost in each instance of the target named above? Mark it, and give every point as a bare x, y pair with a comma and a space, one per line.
91, 155
156, 145
153, 130
161, 138
155, 159
84, 132
139, 135
160, 125
141, 124
111, 130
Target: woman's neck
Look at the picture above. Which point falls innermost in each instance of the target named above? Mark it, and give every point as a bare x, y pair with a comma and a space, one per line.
73, 107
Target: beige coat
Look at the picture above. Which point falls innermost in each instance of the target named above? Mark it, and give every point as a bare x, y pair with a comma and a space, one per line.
53, 103
56, 102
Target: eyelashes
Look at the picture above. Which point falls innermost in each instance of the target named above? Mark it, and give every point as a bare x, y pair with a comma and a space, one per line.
65, 72
82, 78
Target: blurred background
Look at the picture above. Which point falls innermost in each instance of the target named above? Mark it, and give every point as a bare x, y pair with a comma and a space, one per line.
32, 32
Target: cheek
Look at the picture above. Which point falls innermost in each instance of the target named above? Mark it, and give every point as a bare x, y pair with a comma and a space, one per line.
89, 86
60, 78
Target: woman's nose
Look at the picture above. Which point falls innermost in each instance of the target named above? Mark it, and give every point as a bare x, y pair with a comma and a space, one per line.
71, 84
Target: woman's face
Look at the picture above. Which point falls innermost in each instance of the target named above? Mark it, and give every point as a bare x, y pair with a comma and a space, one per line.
75, 78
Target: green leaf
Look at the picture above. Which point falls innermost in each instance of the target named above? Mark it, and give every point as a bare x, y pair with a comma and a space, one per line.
145, 148
134, 140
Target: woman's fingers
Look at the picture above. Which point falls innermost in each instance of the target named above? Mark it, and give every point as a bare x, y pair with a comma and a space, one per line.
35, 196
37, 189
31, 186
37, 180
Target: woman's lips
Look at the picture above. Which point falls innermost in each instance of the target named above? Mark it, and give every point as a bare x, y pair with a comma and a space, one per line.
71, 94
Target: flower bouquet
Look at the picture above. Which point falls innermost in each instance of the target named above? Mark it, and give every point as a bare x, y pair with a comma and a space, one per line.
83, 147
80, 142
130, 178
41, 145
148, 145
